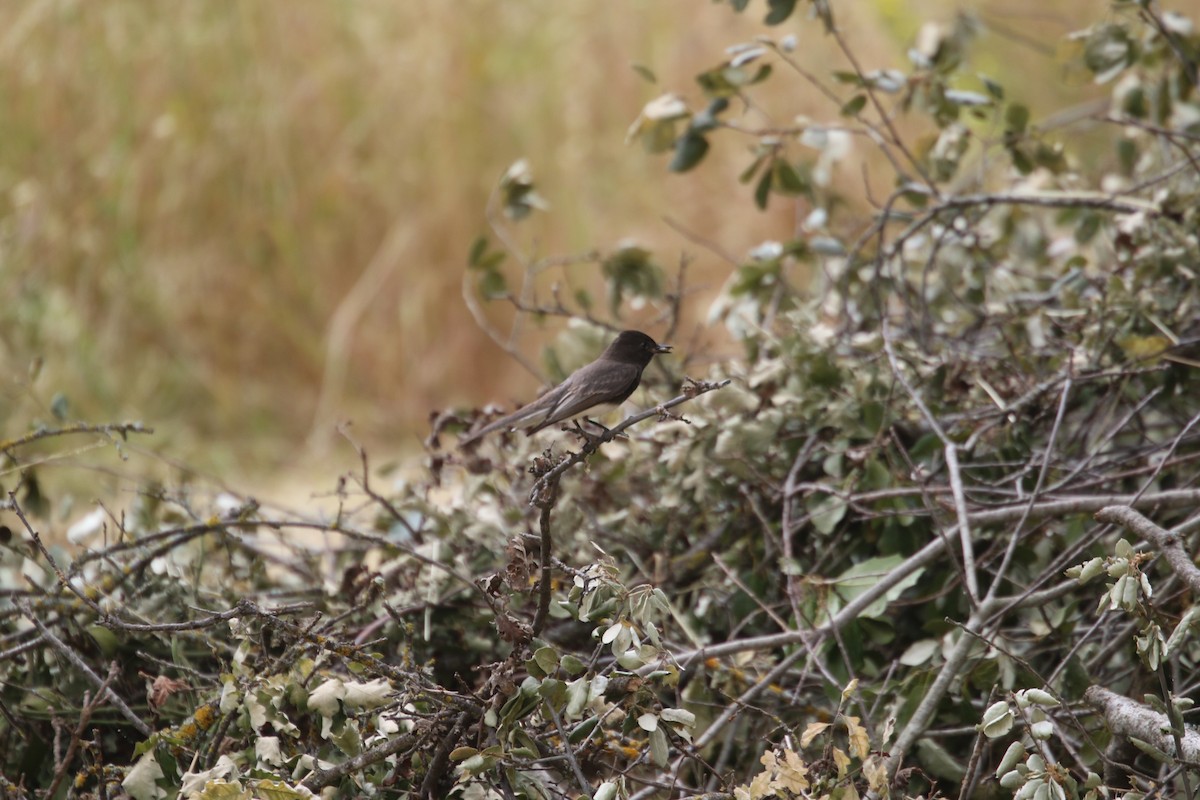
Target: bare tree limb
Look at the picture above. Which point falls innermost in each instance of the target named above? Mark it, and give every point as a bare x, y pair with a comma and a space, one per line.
1129, 719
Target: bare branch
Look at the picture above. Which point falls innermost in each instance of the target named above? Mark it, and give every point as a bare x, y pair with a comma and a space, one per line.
1134, 720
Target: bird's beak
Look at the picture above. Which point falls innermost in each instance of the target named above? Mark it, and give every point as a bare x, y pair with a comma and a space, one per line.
662, 348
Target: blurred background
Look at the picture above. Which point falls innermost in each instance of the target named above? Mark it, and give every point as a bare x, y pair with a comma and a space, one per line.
214, 214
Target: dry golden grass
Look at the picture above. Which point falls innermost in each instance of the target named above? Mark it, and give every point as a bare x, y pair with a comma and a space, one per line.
189, 192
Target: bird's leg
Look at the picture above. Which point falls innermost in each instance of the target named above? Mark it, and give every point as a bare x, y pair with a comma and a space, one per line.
596, 437
589, 438
599, 425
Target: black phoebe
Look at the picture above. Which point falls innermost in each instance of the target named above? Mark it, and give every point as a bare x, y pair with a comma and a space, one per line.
607, 381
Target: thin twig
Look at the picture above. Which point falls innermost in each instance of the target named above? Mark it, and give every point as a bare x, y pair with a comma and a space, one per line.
123, 429
543, 609
568, 753
1002, 570
950, 447
365, 483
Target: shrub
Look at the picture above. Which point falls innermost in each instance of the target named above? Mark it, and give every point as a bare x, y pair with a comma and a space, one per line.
862, 557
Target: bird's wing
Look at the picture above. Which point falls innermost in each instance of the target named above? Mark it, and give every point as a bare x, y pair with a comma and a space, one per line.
595, 384
534, 411
600, 382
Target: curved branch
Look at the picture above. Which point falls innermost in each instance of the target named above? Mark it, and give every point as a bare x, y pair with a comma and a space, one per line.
1126, 718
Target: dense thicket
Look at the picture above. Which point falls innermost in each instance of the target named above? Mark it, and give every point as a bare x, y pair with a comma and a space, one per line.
930, 534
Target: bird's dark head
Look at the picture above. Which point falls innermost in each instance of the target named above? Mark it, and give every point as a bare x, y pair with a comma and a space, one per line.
635, 347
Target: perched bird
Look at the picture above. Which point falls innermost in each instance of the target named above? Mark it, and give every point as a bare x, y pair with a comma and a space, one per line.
597, 387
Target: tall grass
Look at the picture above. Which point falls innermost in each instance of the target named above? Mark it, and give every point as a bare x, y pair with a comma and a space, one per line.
190, 190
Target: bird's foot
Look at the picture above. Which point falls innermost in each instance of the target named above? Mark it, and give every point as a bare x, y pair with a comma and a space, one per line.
595, 439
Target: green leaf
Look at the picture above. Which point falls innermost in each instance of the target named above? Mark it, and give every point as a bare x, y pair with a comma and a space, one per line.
59, 406
658, 136
1050, 157
1021, 160
995, 89
1151, 750
944, 111
461, 753
748, 173
34, 501
518, 193
141, 779
920, 652
690, 149
347, 740
787, 178
645, 72
492, 284
939, 761
1127, 153
583, 730
916, 199
659, 747
827, 511
854, 105
756, 277
520, 704
1088, 227
763, 190
824, 371
1014, 753
1108, 51
764, 72
706, 120
631, 271
779, 11
478, 248
546, 659
872, 415
485, 259
723, 81
865, 574
1016, 117
107, 640
1134, 103
554, 691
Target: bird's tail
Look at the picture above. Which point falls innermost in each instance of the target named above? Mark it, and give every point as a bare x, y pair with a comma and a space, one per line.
513, 419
